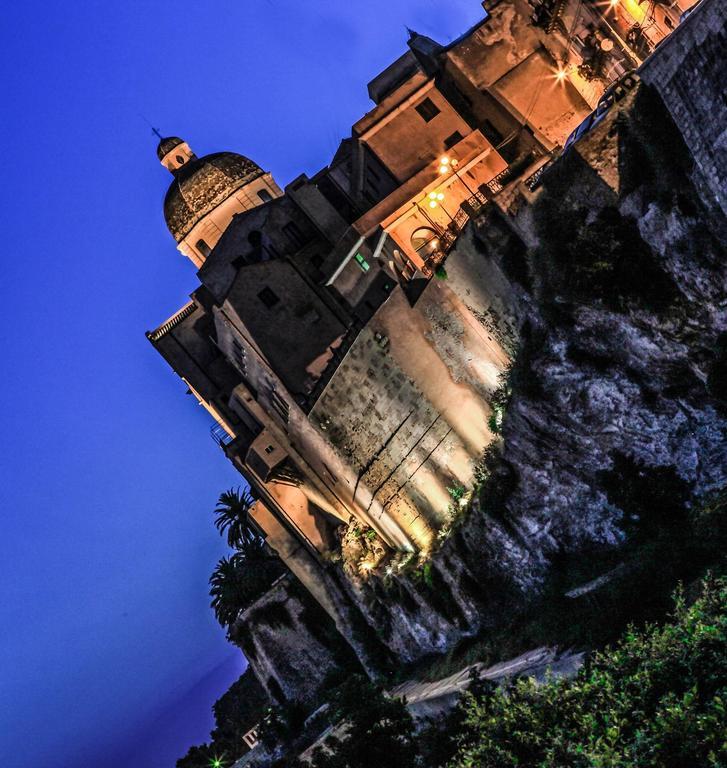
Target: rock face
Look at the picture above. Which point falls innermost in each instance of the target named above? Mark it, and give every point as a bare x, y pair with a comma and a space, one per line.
290, 642
688, 73
623, 314
614, 277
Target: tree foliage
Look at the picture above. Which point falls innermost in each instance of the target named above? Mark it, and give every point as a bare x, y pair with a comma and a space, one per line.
378, 732
659, 698
240, 579
233, 518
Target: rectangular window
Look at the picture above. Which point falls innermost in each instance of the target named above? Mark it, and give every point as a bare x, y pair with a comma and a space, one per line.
203, 248
280, 406
427, 109
455, 138
365, 266
268, 297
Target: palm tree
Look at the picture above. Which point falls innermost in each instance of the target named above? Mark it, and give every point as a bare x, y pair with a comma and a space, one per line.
228, 589
239, 580
233, 517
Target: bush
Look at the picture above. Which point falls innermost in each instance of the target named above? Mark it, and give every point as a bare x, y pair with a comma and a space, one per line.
379, 732
236, 711
659, 698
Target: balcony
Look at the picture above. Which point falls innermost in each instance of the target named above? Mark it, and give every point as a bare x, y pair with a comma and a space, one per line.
470, 209
220, 435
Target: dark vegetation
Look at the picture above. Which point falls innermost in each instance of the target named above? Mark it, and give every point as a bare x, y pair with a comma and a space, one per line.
235, 713
717, 378
601, 259
585, 258
658, 697
653, 155
240, 579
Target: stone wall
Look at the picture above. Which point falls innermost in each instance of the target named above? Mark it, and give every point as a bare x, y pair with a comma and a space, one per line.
407, 408
625, 375
690, 72
290, 643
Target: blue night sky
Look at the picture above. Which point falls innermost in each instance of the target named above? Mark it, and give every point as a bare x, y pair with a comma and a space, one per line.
109, 654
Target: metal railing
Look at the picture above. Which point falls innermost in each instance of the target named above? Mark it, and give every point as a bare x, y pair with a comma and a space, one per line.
534, 180
470, 209
495, 184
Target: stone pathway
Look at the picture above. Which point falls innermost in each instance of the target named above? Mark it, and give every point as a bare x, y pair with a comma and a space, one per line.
432, 699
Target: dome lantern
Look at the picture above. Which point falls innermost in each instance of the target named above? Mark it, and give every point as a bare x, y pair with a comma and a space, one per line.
173, 153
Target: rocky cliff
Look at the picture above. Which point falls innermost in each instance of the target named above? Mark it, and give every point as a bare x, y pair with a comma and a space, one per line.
611, 283
618, 392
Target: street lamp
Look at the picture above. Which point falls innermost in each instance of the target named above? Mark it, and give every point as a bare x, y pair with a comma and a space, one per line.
444, 166
435, 198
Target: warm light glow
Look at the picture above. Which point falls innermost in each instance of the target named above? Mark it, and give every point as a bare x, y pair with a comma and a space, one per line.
440, 196
444, 161
443, 169
433, 203
561, 75
432, 195
613, 3
634, 9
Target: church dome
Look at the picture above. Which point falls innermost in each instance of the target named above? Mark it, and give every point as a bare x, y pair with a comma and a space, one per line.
200, 185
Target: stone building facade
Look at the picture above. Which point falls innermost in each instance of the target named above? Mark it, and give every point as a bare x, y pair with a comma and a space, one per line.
348, 372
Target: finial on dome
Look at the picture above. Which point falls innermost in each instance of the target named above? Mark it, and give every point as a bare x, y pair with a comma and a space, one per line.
173, 153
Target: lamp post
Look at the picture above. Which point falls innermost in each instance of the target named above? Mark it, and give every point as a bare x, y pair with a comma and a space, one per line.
435, 200
445, 164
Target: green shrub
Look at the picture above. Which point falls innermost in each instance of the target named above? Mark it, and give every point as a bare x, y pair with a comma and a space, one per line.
659, 698
379, 732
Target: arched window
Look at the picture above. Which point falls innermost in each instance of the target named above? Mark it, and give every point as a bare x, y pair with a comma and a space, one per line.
203, 248
264, 195
425, 242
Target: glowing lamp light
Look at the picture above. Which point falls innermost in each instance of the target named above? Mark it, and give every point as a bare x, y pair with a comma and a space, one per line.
440, 196
443, 169
444, 161
561, 75
432, 195
433, 203
613, 3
